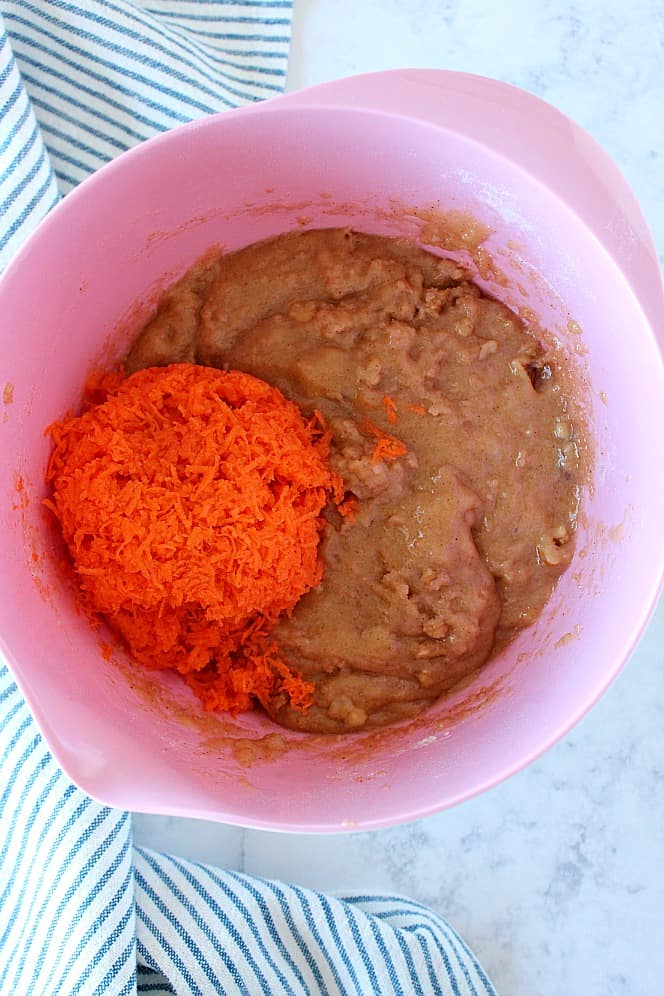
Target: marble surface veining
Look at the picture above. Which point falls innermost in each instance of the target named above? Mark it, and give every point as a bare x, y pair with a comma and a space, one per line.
555, 877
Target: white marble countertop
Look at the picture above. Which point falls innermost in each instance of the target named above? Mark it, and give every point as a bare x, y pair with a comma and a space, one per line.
556, 877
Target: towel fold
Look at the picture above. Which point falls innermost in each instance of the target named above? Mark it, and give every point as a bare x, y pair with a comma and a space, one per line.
81, 910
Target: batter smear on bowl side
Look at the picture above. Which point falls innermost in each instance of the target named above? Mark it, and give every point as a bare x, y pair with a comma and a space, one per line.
448, 424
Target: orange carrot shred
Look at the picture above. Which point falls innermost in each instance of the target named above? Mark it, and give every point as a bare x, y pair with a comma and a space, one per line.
390, 409
190, 500
348, 508
388, 447
417, 409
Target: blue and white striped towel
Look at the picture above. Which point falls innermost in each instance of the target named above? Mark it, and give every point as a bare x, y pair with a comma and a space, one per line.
81, 910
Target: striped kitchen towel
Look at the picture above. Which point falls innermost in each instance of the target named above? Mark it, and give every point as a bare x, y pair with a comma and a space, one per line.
82, 82
81, 910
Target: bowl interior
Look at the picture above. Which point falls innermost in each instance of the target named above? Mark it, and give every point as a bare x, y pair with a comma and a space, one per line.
88, 279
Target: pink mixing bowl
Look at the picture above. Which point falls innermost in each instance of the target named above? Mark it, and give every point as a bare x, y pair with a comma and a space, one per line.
573, 245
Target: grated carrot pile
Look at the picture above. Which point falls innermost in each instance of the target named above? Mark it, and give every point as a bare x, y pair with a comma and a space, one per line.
190, 500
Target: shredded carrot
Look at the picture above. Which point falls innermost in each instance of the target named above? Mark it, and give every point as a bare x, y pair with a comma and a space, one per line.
345, 501
388, 447
190, 500
390, 409
417, 409
99, 385
348, 508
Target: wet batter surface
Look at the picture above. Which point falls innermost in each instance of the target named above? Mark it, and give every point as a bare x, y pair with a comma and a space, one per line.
453, 435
